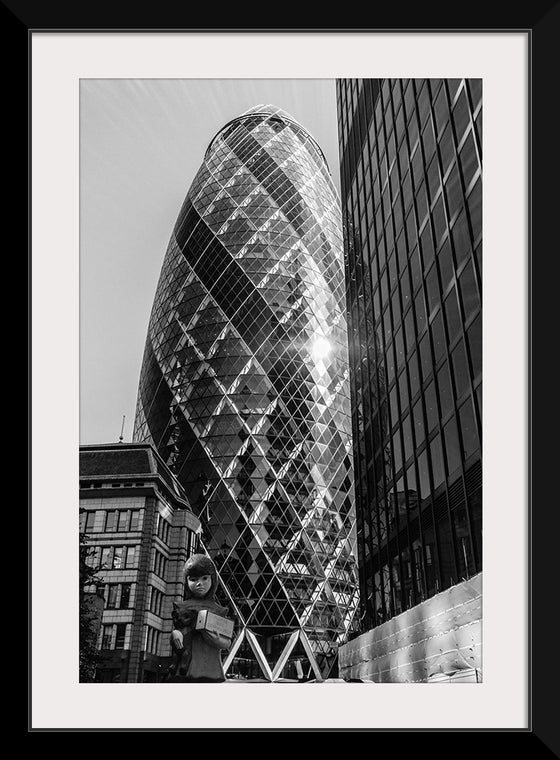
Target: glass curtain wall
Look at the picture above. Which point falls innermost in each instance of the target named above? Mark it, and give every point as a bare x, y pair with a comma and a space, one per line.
244, 388
411, 176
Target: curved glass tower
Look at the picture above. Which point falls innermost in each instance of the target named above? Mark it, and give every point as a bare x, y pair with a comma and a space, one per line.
244, 385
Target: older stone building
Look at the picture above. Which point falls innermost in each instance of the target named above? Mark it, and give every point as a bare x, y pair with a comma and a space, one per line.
140, 530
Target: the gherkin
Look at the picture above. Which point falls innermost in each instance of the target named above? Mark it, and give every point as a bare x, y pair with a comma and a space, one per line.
244, 384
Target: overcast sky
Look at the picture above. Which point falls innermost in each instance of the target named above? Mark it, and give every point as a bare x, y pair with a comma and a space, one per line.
141, 143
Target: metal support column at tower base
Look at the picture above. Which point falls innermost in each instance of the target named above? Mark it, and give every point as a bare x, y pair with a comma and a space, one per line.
274, 674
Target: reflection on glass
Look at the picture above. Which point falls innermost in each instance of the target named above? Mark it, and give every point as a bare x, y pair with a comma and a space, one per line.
245, 374
434, 414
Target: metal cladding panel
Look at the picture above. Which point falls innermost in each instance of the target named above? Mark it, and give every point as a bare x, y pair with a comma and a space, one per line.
439, 637
244, 387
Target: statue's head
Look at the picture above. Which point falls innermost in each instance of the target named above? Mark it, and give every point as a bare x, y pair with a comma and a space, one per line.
201, 577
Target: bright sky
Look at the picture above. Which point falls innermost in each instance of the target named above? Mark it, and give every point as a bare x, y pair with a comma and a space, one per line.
141, 143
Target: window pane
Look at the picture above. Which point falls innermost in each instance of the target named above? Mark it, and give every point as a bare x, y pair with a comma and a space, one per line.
424, 475
423, 100
432, 413
427, 246
474, 337
117, 557
120, 637
407, 437
411, 487
407, 189
418, 422
478, 125
446, 266
110, 522
466, 564
125, 595
384, 291
411, 229
436, 454
461, 115
469, 432
460, 369
421, 203
415, 269
433, 179
90, 520
414, 374
474, 203
387, 326
397, 452
106, 554
405, 291
399, 347
123, 520
469, 290
426, 357
452, 446
428, 141
107, 636
446, 148
392, 265
452, 315
445, 393
441, 109
390, 359
475, 87
396, 308
440, 222
461, 238
409, 329
393, 399
454, 191
438, 337
432, 288
403, 390
478, 393
469, 161
135, 519
112, 597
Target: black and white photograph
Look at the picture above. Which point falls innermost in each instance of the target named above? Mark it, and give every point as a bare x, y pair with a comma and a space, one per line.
277, 409
307, 425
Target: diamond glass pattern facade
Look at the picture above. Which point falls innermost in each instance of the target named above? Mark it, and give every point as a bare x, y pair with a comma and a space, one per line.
244, 386
411, 164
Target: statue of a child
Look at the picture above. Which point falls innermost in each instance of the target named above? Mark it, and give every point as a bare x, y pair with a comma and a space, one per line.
197, 652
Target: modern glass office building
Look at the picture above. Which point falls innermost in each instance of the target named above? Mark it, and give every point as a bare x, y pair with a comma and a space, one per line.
244, 387
411, 164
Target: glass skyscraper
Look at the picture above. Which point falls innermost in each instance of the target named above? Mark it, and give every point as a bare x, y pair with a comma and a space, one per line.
244, 386
411, 178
